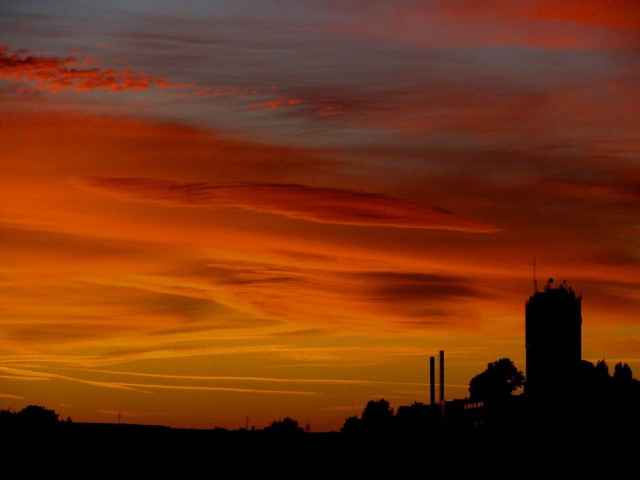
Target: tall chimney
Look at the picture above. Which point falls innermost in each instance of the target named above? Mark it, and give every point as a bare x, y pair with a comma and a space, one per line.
432, 377
442, 376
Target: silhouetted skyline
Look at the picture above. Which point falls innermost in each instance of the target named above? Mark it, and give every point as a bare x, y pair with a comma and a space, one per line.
568, 395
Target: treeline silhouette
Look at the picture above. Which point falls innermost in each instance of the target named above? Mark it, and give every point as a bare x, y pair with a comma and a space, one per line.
598, 401
493, 428
30, 417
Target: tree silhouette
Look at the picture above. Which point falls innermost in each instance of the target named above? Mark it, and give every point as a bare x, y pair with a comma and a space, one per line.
497, 383
377, 416
593, 384
286, 426
625, 390
352, 425
622, 374
8, 418
608, 401
601, 377
38, 416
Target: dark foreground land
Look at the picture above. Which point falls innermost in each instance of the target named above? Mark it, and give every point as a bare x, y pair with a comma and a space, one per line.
127, 451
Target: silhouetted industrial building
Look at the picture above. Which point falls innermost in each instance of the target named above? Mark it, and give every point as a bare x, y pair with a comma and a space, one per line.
553, 331
563, 393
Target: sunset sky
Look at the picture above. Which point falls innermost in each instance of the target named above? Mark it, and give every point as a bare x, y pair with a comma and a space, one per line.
224, 213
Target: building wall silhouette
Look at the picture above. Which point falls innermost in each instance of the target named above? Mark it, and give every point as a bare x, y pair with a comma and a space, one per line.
553, 337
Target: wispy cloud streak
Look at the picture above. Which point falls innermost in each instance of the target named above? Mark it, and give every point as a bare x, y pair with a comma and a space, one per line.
145, 387
205, 378
54, 376
324, 205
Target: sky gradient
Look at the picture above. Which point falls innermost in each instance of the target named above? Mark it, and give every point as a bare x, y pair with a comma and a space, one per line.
224, 213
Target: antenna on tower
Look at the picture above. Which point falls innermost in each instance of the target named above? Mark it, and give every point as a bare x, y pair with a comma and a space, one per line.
535, 281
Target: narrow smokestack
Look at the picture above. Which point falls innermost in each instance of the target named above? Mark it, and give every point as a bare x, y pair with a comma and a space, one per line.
432, 377
442, 376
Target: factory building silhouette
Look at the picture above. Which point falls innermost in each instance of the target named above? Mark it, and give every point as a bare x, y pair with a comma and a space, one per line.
562, 393
554, 368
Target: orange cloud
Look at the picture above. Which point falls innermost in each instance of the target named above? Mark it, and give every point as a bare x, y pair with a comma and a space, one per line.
69, 74
318, 106
277, 103
55, 75
323, 205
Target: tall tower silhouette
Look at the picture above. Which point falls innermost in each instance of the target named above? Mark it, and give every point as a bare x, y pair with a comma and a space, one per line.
553, 341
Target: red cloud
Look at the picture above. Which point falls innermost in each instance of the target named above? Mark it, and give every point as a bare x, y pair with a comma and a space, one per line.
69, 74
54, 74
324, 205
277, 103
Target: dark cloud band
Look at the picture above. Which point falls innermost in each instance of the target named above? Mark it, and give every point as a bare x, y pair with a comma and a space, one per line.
324, 205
